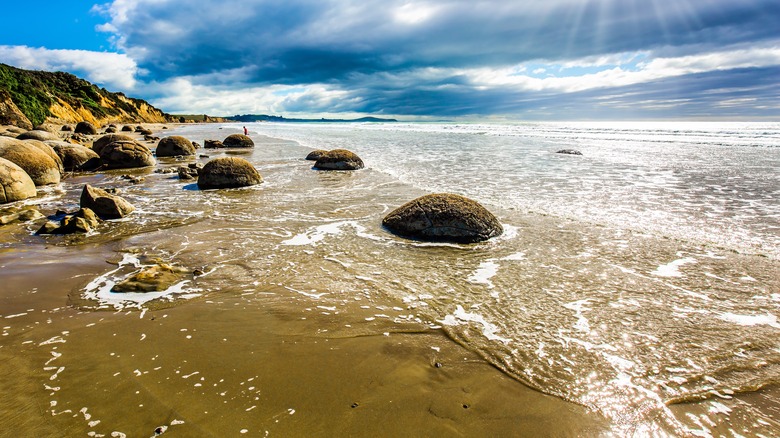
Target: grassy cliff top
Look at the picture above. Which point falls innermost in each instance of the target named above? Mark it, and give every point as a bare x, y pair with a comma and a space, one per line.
34, 93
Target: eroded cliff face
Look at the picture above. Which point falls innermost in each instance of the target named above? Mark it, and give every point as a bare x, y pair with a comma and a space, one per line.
10, 113
62, 112
29, 98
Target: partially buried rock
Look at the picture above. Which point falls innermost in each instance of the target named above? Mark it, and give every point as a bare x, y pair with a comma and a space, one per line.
39, 135
228, 172
339, 159
104, 204
569, 152
316, 154
175, 146
83, 221
154, 278
190, 172
443, 217
238, 141
41, 168
213, 144
85, 128
126, 155
16, 185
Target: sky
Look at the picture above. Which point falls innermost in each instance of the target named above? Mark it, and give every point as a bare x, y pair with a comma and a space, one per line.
416, 59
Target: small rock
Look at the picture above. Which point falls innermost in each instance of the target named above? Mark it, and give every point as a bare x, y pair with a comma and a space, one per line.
569, 152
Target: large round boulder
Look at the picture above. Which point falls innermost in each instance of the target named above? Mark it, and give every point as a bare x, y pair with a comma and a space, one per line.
15, 184
105, 140
39, 166
104, 204
339, 159
228, 172
85, 128
443, 217
126, 155
48, 150
75, 157
39, 135
238, 141
174, 146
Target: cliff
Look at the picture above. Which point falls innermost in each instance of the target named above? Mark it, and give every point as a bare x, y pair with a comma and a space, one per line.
29, 98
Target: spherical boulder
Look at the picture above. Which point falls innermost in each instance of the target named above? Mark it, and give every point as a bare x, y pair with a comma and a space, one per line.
39, 135
126, 155
85, 128
443, 217
316, 154
238, 141
15, 184
339, 159
104, 204
75, 157
127, 128
174, 146
213, 144
48, 150
41, 168
228, 172
105, 140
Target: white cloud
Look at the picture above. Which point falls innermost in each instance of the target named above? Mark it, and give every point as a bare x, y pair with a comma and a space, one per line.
618, 75
114, 71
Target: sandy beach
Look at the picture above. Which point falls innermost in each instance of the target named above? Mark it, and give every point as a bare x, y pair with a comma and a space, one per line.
300, 315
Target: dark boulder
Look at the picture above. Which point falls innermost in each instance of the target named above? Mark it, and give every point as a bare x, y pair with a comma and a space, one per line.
127, 128
174, 146
339, 159
85, 128
228, 172
126, 155
238, 141
569, 152
443, 217
104, 204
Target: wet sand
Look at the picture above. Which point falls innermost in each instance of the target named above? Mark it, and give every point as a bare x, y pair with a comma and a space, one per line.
240, 363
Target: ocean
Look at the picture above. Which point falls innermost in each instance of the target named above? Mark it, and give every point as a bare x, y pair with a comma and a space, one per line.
640, 279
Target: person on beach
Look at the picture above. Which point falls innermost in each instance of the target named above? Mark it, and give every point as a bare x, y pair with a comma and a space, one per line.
245, 131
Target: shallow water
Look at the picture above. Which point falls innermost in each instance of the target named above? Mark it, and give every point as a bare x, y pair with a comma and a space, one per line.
634, 280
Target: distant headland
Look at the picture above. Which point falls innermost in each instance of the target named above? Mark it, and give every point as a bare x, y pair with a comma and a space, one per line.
248, 118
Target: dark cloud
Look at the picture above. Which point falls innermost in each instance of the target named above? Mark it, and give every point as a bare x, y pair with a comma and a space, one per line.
300, 41
407, 57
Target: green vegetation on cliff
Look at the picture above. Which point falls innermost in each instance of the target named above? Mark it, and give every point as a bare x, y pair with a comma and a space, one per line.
34, 93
